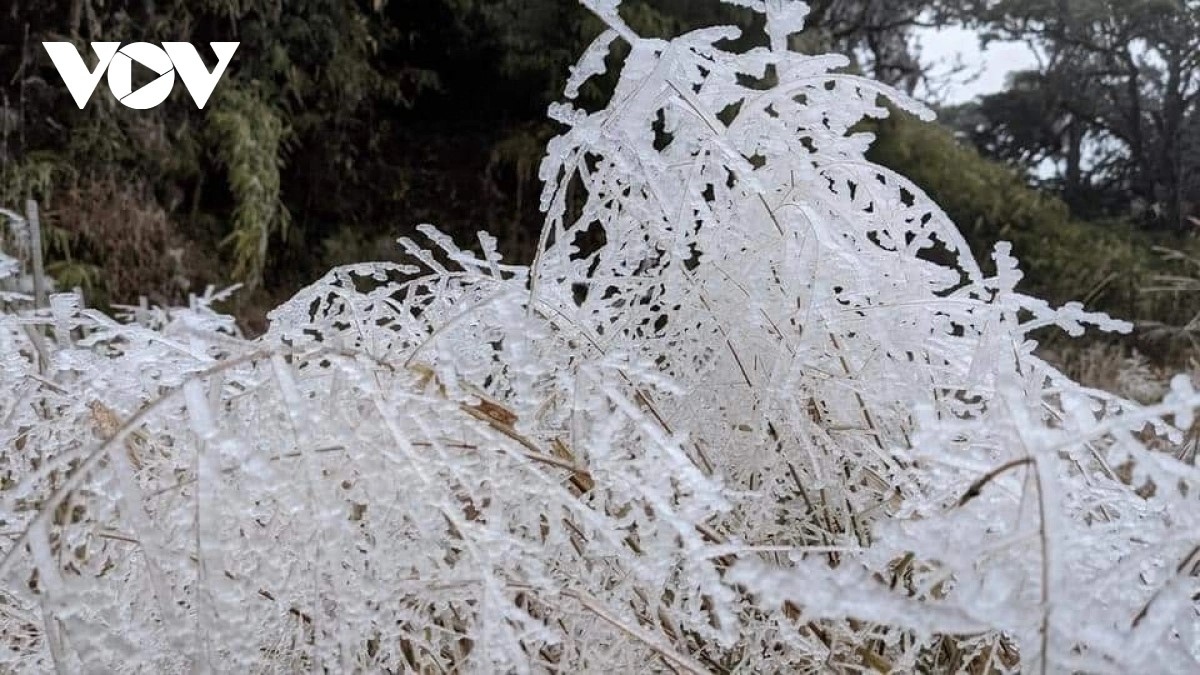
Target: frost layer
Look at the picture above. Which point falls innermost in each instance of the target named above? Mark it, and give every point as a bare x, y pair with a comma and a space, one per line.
753, 408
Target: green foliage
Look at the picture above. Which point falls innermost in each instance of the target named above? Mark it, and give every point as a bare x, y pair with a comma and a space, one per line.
73, 274
34, 177
313, 73
1063, 258
249, 136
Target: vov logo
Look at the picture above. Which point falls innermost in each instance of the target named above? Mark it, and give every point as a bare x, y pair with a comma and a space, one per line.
117, 61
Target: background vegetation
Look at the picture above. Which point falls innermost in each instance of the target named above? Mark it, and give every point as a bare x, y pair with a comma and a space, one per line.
343, 124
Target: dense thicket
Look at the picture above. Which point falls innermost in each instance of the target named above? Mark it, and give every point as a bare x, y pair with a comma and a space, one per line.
754, 407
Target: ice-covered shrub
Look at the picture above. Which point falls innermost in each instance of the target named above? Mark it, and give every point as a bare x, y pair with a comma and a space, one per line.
753, 408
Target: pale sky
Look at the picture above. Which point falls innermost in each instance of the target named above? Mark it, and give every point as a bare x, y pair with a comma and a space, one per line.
985, 71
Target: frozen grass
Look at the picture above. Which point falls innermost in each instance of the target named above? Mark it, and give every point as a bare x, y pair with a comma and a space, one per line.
754, 408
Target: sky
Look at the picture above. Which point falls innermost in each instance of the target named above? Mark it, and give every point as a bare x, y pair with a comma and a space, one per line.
985, 70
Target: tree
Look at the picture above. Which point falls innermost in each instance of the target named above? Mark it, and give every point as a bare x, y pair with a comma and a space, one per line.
878, 32
1113, 106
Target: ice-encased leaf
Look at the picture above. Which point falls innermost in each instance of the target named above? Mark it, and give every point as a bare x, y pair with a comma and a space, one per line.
591, 63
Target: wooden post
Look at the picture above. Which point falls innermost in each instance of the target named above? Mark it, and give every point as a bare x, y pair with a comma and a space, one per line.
35, 245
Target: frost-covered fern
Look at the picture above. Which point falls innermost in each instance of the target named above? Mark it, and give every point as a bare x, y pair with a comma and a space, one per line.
753, 408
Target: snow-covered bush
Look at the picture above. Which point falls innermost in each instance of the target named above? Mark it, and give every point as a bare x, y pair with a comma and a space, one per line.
753, 408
